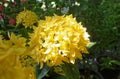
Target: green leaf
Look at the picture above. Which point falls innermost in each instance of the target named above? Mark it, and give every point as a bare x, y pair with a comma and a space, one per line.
91, 44
2, 23
60, 77
40, 73
115, 62
71, 71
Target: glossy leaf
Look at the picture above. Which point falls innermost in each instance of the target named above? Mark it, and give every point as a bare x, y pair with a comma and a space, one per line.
71, 71
40, 73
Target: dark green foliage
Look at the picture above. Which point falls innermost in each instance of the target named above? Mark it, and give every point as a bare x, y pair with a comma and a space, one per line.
102, 20
71, 71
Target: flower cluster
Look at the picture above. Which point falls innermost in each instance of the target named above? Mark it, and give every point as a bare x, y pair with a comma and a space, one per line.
27, 18
10, 52
55, 40
58, 39
28, 46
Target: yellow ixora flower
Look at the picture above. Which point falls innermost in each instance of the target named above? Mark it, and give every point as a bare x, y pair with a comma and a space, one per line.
58, 39
27, 18
10, 53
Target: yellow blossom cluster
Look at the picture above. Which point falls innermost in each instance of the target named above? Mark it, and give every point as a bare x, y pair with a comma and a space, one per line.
27, 18
10, 52
58, 39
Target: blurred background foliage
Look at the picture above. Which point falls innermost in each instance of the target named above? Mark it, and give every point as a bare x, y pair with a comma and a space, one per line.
100, 17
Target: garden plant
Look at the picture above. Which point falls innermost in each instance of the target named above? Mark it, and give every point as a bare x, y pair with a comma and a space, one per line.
59, 39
